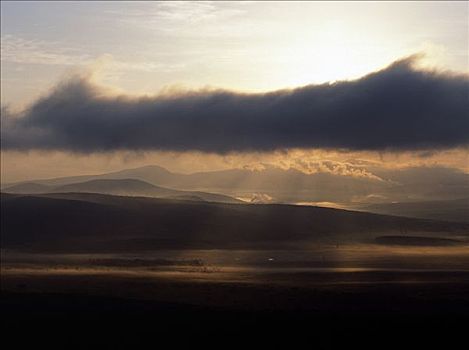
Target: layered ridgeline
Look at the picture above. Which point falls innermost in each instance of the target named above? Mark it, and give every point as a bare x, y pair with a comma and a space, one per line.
124, 187
424, 192
85, 222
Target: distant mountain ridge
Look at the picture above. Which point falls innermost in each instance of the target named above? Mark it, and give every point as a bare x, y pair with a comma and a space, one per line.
126, 187
292, 186
27, 187
284, 186
123, 187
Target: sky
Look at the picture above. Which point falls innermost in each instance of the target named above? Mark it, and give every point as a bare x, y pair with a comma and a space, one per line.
96, 86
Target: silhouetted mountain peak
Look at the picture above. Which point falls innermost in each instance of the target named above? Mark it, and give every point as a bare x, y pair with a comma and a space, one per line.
146, 168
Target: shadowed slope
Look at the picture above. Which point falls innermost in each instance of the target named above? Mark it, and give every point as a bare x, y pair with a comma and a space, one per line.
452, 210
92, 222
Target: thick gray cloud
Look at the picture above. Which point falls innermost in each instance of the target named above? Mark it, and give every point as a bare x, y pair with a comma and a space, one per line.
397, 108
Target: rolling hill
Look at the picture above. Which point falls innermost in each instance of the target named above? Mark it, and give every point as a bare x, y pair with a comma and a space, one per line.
424, 192
103, 223
456, 210
28, 187
290, 186
123, 187
282, 185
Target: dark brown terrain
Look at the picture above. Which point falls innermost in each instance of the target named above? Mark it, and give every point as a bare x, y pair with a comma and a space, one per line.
82, 270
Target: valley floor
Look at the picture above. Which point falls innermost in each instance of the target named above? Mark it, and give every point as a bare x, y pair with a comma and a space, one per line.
123, 302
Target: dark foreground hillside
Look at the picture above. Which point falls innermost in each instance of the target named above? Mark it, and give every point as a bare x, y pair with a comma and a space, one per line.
93, 271
93, 222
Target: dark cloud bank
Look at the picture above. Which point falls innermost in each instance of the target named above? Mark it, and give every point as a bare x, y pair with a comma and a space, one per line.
397, 108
